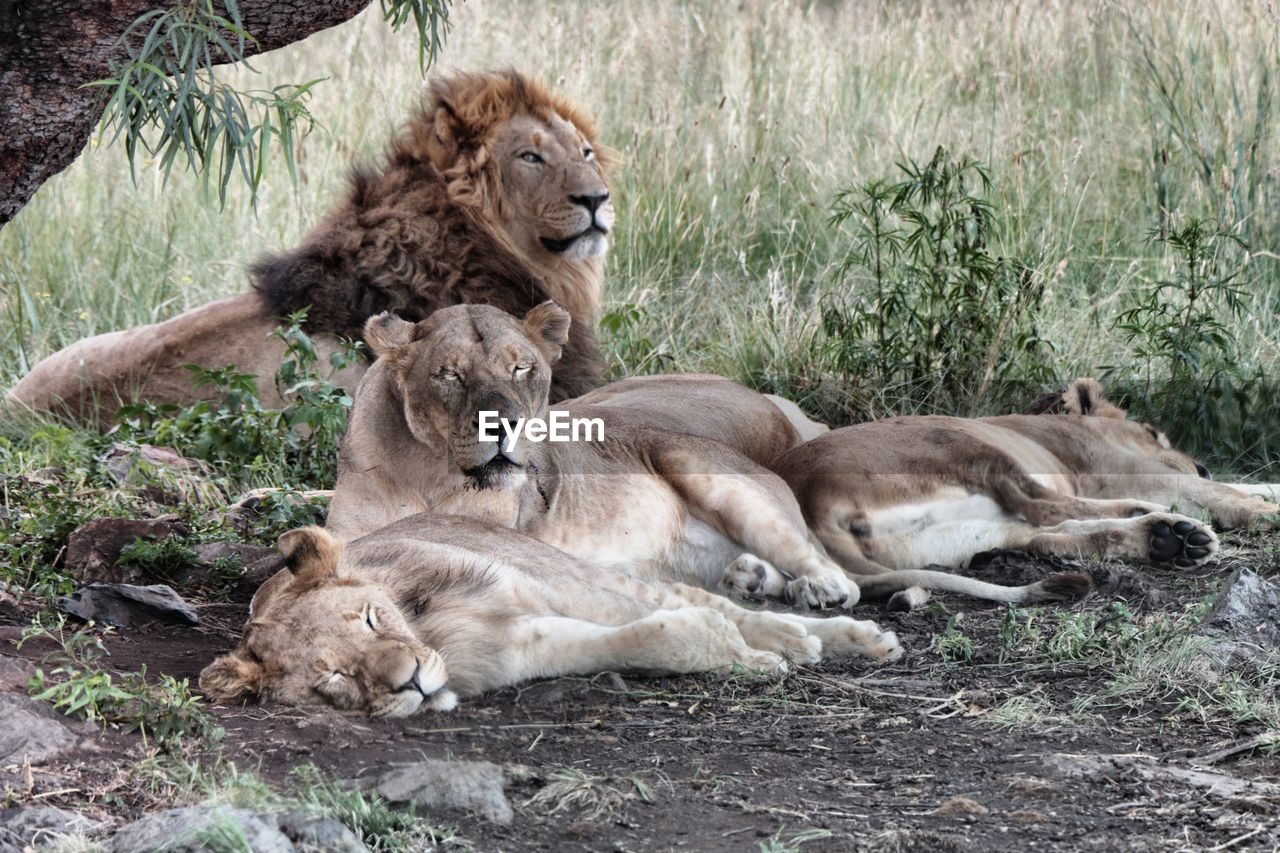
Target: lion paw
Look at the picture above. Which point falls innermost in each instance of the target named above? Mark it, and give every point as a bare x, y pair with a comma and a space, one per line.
1182, 541
817, 593
845, 637
774, 633
751, 577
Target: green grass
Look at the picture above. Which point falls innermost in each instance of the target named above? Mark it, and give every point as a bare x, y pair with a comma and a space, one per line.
738, 124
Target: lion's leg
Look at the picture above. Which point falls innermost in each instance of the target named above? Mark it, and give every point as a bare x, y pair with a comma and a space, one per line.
1042, 506
1161, 538
755, 509
1231, 506
800, 638
684, 640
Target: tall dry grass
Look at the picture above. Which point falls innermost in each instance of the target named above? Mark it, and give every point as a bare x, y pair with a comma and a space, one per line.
737, 124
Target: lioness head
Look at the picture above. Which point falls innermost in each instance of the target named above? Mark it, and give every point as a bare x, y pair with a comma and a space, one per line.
508, 146
316, 636
465, 360
1085, 397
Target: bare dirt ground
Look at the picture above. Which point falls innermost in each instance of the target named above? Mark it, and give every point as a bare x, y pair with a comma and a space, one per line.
913, 756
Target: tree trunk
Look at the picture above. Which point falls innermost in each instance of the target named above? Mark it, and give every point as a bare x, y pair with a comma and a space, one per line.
50, 48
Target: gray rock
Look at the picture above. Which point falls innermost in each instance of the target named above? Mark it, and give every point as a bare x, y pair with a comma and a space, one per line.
161, 474
33, 731
126, 605
211, 552
319, 833
14, 674
188, 830
436, 785
94, 547
1244, 622
33, 825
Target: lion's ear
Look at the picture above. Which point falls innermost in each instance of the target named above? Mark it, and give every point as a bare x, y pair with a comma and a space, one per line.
311, 553
386, 331
547, 325
1085, 397
232, 678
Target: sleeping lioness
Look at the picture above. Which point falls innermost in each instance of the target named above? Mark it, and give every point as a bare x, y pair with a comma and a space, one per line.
671, 493
435, 607
907, 492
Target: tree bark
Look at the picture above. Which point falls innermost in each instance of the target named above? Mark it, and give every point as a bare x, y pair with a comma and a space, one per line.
50, 48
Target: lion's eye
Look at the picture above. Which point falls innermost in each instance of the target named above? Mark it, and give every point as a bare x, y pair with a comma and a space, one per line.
531, 157
371, 618
521, 370
588, 153
449, 375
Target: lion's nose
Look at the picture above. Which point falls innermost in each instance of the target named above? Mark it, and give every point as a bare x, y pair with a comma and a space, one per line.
590, 202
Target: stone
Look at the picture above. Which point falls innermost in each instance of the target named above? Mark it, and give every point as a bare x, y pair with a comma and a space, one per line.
319, 833
1243, 625
30, 826
126, 605
34, 732
94, 547
209, 553
184, 830
437, 785
161, 474
14, 674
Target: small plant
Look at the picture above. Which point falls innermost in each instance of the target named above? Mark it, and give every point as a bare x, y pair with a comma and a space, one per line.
1179, 331
587, 796
160, 558
775, 844
939, 310
247, 442
380, 826
952, 644
164, 710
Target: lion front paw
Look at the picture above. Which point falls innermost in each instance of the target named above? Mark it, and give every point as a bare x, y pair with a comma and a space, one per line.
774, 633
817, 593
751, 577
845, 637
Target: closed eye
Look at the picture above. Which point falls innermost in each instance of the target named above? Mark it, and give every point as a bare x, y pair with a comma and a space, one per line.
371, 618
531, 157
521, 370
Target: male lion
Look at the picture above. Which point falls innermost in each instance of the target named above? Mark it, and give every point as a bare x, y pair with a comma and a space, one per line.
908, 492
495, 192
671, 493
434, 607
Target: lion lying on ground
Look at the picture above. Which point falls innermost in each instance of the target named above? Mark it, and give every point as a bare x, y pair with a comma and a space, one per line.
434, 607
676, 490
904, 493
494, 193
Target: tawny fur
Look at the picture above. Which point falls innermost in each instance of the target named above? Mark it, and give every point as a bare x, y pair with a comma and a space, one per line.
448, 217
434, 606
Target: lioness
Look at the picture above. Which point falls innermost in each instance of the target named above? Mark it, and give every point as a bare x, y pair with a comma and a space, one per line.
434, 607
495, 192
907, 492
671, 493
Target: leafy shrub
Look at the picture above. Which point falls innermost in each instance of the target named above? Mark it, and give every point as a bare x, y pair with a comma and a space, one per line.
247, 442
164, 710
934, 314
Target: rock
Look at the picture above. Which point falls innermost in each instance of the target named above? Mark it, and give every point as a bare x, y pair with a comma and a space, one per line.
319, 833
14, 674
126, 605
93, 548
209, 553
161, 474
34, 732
257, 573
30, 826
437, 785
186, 830
1244, 622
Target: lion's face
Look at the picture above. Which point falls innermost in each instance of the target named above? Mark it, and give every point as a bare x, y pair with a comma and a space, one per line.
469, 359
556, 198
318, 637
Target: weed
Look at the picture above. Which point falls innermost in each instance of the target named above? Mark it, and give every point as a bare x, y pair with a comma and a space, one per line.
952, 644
794, 842
247, 442
159, 558
588, 797
380, 826
163, 710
